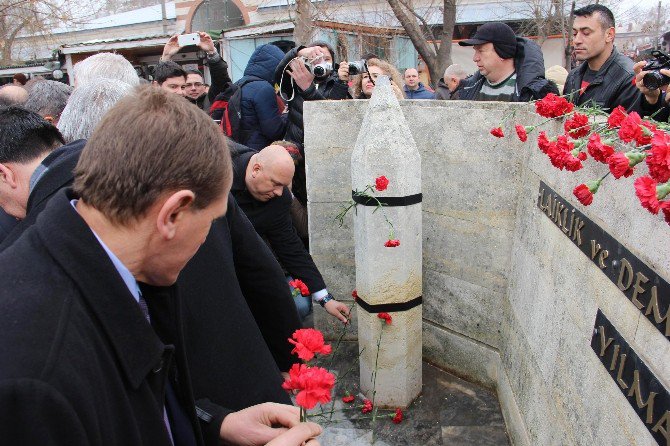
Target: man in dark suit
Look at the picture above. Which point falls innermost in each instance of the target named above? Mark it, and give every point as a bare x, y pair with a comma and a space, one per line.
80, 363
260, 186
233, 291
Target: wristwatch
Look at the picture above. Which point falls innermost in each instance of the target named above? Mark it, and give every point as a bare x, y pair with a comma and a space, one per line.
326, 299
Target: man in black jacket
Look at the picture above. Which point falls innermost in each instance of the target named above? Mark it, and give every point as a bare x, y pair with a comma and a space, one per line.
80, 362
604, 78
511, 69
260, 186
194, 89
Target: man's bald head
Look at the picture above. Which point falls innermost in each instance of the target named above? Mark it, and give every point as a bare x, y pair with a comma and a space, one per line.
268, 172
13, 95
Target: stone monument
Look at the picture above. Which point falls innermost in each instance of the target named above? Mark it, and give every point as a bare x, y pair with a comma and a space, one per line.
388, 279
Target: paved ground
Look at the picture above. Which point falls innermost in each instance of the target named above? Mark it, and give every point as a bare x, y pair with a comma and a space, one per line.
449, 411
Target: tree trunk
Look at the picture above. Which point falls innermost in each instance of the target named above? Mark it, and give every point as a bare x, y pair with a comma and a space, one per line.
303, 31
437, 57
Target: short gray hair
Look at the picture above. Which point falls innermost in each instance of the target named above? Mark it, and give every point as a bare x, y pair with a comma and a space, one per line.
48, 98
456, 71
87, 106
105, 66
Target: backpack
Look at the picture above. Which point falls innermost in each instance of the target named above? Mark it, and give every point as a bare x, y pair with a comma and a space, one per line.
227, 107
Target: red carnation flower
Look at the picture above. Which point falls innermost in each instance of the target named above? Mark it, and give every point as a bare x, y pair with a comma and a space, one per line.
577, 126
381, 183
348, 399
616, 117
299, 285
645, 189
397, 418
367, 406
521, 132
598, 150
552, 106
497, 132
543, 142
631, 129
559, 153
354, 294
648, 130
583, 194
390, 243
658, 158
387, 317
620, 165
314, 385
308, 342
573, 163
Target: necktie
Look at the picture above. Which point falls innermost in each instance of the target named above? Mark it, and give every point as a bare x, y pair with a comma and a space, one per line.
145, 310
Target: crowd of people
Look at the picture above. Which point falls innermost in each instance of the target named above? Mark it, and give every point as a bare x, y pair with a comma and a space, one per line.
149, 232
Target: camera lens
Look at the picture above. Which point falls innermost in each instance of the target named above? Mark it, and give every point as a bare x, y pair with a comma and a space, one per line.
653, 80
319, 70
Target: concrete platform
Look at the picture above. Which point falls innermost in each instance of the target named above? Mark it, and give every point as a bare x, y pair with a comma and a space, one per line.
449, 411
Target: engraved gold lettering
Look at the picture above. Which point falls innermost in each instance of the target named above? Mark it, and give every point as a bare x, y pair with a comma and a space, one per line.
615, 356
635, 391
619, 378
626, 269
540, 200
577, 236
603, 344
665, 431
557, 213
572, 222
637, 289
595, 248
555, 210
601, 260
548, 206
653, 307
565, 220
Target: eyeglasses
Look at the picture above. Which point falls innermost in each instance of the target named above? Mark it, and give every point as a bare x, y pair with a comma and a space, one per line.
196, 84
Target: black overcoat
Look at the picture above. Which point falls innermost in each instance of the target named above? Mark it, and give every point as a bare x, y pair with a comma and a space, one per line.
79, 363
237, 310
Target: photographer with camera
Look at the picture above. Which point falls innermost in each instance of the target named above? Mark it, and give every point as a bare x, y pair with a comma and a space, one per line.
652, 81
308, 74
195, 90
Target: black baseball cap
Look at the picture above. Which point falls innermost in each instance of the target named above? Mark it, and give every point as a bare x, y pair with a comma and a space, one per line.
499, 34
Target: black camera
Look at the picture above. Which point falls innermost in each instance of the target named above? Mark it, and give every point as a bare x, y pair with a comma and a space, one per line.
655, 79
358, 67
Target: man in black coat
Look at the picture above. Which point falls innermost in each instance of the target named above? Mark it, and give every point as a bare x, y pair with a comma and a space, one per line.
234, 293
80, 363
260, 186
604, 78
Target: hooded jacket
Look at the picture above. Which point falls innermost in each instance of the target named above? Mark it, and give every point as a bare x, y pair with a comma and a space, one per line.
420, 93
262, 120
530, 81
610, 87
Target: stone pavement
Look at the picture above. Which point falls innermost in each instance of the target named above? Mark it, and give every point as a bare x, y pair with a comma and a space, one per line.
449, 411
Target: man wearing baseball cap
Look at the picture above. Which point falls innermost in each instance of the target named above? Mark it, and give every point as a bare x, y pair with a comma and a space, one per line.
511, 68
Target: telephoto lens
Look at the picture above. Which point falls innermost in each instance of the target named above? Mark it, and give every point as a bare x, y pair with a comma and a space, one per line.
654, 80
